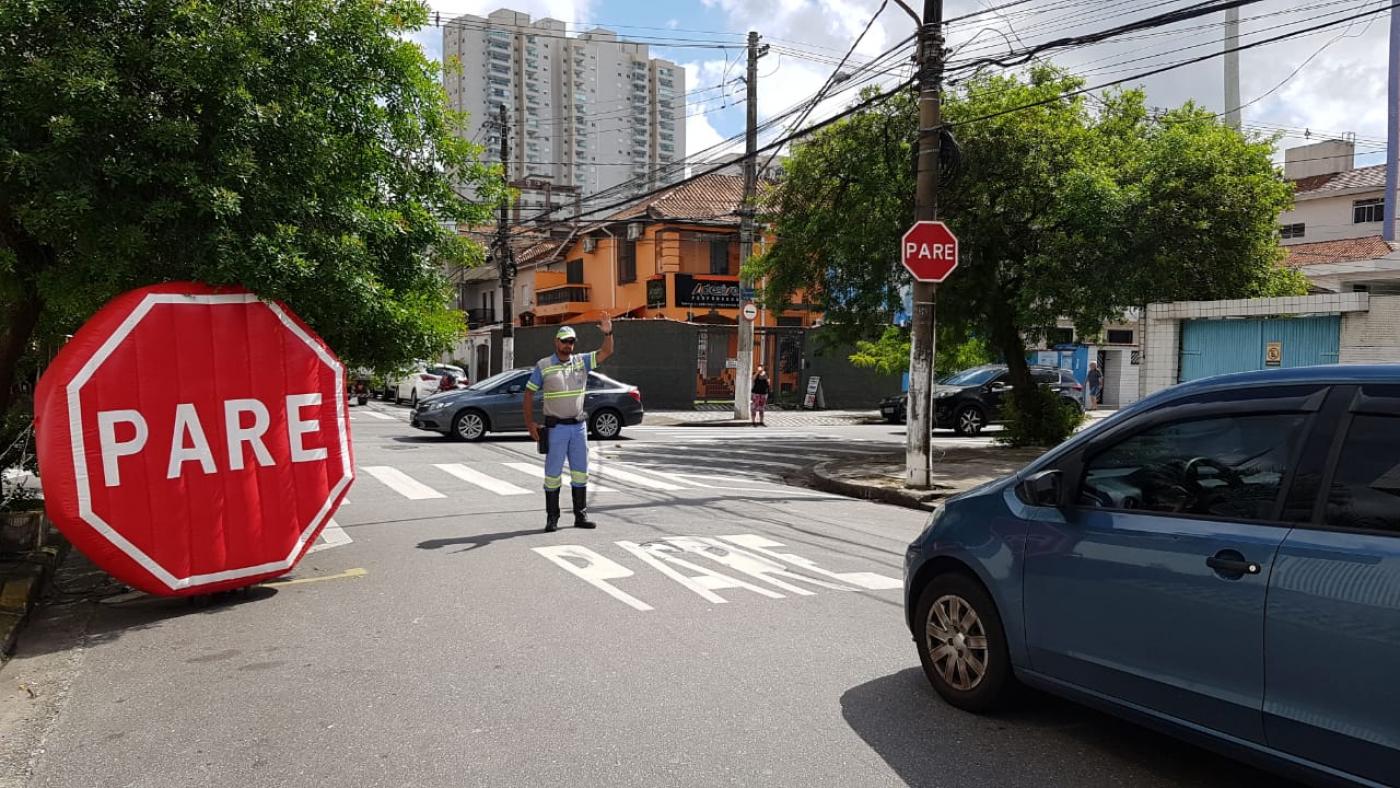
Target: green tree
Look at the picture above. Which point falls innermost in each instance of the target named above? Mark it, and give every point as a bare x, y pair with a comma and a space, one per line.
1062, 209
889, 354
301, 148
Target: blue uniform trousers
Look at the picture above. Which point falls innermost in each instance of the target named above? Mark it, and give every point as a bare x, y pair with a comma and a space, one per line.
569, 440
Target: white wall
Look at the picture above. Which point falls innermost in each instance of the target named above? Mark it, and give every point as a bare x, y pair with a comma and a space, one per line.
1329, 218
1373, 336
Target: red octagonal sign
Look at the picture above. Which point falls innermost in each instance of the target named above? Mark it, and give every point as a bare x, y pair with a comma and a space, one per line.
193, 439
930, 251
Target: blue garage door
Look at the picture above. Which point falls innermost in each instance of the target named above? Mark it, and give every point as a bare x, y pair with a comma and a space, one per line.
1215, 347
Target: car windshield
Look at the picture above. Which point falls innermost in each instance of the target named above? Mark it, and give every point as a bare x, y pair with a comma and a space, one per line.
972, 377
493, 381
444, 369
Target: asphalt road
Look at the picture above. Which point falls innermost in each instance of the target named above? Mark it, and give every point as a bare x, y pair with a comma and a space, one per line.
718, 628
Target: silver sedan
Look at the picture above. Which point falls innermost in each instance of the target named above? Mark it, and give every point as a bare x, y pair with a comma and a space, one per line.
495, 405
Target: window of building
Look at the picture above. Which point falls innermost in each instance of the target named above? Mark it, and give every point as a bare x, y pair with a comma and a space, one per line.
1365, 491
1119, 336
1224, 466
627, 261
573, 272
719, 257
1059, 336
1292, 230
1365, 211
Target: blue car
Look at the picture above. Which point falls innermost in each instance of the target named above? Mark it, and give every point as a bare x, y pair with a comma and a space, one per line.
1220, 561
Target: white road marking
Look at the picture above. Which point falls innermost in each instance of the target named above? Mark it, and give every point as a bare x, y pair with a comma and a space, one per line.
617, 474
473, 476
402, 483
762, 544
596, 570
331, 536
537, 471
374, 414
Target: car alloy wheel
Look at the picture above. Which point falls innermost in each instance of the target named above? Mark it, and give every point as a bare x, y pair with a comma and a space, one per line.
470, 426
970, 421
607, 424
957, 642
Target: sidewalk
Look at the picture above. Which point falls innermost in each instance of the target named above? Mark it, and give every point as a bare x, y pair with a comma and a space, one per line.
774, 418
955, 470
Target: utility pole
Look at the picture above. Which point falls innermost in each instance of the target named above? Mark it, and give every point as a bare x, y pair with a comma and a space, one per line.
1233, 115
505, 258
918, 462
1392, 135
743, 378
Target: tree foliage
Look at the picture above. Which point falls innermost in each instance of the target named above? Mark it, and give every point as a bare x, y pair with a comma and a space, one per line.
889, 354
1062, 209
301, 148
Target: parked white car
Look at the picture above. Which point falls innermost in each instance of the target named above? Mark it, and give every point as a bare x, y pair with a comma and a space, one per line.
422, 380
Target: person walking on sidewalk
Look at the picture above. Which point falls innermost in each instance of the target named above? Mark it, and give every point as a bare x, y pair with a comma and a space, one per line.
759, 397
1094, 384
563, 377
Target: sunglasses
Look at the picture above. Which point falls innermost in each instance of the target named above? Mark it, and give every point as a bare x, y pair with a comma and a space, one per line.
567, 341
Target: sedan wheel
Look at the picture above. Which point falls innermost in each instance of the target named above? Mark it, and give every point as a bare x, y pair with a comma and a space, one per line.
961, 644
469, 425
607, 424
969, 420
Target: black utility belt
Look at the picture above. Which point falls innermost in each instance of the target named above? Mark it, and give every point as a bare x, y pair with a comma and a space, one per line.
550, 421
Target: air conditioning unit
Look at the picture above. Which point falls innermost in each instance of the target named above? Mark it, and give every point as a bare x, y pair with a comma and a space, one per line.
634, 231
589, 243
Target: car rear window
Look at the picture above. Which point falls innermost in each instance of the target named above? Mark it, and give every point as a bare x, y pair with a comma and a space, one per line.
1365, 491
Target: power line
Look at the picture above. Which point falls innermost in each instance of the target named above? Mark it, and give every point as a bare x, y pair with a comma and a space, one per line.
1170, 67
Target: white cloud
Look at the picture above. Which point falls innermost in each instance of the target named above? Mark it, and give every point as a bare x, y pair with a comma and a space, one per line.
700, 135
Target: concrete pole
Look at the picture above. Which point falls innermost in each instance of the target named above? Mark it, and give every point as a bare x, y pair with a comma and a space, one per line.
1392, 134
1233, 114
743, 378
505, 258
922, 350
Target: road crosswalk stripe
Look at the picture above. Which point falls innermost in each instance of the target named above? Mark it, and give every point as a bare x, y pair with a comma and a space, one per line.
374, 414
331, 536
402, 483
537, 471
473, 476
617, 474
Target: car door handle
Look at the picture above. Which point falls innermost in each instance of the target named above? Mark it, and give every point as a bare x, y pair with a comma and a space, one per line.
1230, 563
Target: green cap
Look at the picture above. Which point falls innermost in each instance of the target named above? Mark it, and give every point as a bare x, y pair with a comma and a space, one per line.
565, 332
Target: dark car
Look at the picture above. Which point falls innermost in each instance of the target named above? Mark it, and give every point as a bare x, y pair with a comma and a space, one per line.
968, 401
1220, 561
494, 405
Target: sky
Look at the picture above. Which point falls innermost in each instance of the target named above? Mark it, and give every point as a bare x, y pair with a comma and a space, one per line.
1310, 87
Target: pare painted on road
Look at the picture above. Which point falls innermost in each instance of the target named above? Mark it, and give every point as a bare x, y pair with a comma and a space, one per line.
754, 565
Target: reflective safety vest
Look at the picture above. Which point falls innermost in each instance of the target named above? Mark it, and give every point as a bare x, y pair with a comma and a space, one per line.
564, 383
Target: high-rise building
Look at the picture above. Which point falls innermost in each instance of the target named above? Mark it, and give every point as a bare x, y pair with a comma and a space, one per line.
587, 113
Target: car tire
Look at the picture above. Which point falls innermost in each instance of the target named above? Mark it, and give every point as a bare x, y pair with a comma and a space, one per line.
952, 646
470, 425
969, 420
413, 400
362, 400
606, 424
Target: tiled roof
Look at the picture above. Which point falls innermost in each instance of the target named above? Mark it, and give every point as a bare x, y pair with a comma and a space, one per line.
714, 197
1360, 178
1344, 251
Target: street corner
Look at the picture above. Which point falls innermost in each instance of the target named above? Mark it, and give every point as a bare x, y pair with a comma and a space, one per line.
882, 478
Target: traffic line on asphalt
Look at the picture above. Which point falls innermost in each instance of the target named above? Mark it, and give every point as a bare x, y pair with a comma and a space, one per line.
537, 471
402, 483
374, 414
347, 574
611, 471
482, 480
331, 536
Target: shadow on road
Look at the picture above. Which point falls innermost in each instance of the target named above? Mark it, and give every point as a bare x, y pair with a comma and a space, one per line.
1045, 741
474, 541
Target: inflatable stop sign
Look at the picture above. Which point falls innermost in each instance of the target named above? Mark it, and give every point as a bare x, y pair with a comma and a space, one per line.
193, 439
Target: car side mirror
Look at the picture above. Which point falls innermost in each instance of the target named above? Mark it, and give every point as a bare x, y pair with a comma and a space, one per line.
1045, 488
997, 388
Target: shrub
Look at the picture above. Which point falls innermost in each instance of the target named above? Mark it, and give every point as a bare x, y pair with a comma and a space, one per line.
1044, 419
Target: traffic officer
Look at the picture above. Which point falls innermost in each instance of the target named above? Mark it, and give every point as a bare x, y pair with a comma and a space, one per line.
563, 377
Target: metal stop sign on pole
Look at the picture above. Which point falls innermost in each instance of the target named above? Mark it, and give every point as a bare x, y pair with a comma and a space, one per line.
929, 251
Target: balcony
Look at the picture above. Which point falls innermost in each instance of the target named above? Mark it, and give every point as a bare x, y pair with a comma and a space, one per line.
481, 317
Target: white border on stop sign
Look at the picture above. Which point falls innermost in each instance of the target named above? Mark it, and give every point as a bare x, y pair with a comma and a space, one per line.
75, 429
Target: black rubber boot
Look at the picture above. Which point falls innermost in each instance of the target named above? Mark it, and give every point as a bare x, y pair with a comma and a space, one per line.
551, 510
581, 508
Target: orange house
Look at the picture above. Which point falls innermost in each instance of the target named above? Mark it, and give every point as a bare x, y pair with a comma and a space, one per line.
674, 256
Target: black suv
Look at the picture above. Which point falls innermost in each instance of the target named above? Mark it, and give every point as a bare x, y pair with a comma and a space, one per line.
968, 401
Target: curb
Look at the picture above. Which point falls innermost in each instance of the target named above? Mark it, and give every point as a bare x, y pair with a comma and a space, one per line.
20, 591
819, 478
